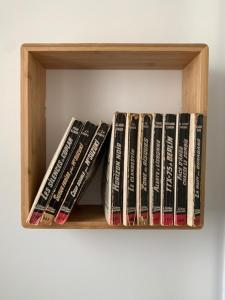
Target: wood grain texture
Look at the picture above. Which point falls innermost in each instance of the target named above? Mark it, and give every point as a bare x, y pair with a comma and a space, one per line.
195, 99
36, 58
32, 129
195, 84
114, 56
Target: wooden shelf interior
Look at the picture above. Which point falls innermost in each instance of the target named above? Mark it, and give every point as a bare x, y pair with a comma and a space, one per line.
192, 59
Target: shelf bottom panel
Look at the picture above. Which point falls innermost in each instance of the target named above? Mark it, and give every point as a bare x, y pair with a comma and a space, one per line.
92, 217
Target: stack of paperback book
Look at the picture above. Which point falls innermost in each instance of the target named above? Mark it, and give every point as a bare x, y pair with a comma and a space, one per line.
68, 172
154, 170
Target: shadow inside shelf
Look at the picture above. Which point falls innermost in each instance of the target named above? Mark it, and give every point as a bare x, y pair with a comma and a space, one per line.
86, 213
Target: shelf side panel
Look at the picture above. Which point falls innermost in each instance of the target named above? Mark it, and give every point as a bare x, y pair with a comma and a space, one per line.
33, 143
195, 99
195, 84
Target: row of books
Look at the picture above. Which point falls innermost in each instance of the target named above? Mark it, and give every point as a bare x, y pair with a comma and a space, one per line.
68, 173
154, 170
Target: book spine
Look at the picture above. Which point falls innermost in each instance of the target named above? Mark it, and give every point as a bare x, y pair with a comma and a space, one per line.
169, 169
182, 170
132, 170
155, 217
197, 177
108, 177
81, 178
54, 171
191, 170
118, 169
145, 144
69, 172
139, 155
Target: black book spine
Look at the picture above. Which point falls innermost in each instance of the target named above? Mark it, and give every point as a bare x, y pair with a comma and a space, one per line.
182, 169
145, 168
118, 169
132, 170
197, 178
169, 169
54, 174
69, 172
157, 170
81, 178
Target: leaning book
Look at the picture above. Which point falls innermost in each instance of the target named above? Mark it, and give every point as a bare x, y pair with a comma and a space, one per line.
69, 172
83, 174
54, 171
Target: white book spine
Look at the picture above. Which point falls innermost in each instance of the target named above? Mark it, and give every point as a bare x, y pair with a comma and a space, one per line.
151, 175
108, 193
125, 170
139, 157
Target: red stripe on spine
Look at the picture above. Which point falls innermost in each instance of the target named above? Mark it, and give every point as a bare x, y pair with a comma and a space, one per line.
197, 220
181, 219
61, 218
116, 218
167, 219
131, 218
144, 216
35, 218
156, 218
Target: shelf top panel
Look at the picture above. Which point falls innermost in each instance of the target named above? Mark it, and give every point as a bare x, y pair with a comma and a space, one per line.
114, 56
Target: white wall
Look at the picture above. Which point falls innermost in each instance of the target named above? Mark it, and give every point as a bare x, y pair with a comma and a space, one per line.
75, 264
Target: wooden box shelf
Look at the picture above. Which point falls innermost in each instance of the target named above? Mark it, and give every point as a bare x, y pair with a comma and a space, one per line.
191, 59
